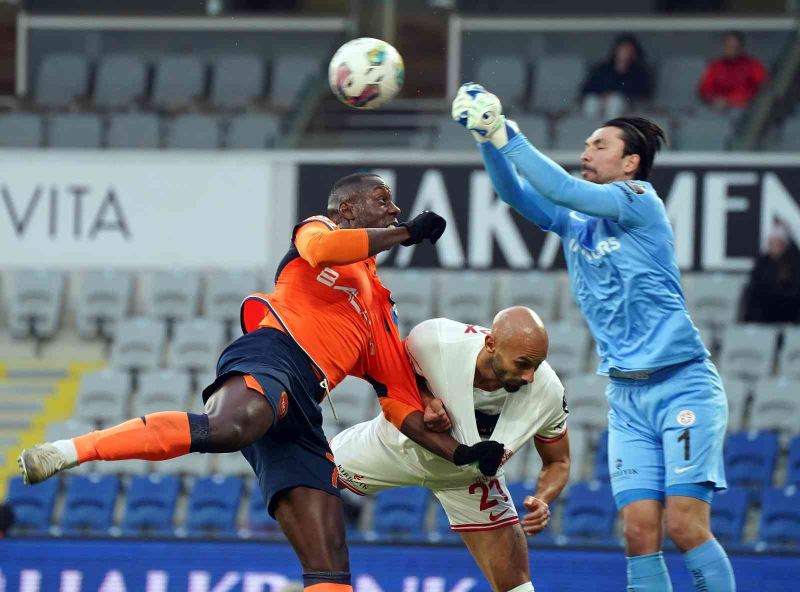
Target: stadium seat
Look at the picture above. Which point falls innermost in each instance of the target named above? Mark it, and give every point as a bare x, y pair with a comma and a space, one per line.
780, 517
571, 131
89, 504
676, 87
589, 513
448, 135
259, 523
64, 430
535, 289
253, 131
103, 396
351, 399
196, 344
519, 490
150, 505
173, 295
139, 344
400, 513
737, 392
75, 130
586, 399
131, 468
233, 463
236, 80
703, 132
213, 505
748, 350
776, 406
34, 302
467, 297
536, 128
578, 452
133, 130
789, 359
516, 468
193, 131
33, 506
793, 462
194, 464
750, 459
103, 299
601, 471
789, 134
413, 292
441, 527
568, 348
225, 291
178, 80
557, 80
61, 78
508, 75
161, 390
728, 515
120, 81
21, 130
713, 299
290, 73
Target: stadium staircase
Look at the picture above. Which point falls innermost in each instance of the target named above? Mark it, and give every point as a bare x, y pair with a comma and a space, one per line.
33, 395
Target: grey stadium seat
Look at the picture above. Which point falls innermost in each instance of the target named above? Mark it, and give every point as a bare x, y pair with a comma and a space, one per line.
178, 80
196, 344
64, 430
161, 390
193, 131
789, 134
173, 294
789, 360
103, 397
103, 299
467, 297
534, 289
586, 399
194, 464
289, 74
75, 130
60, 79
252, 131
579, 456
133, 130
351, 400
505, 75
703, 133
236, 80
120, 81
413, 292
515, 469
535, 127
776, 406
35, 299
572, 131
233, 463
713, 299
21, 130
557, 80
139, 344
132, 468
568, 348
449, 135
748, 350
225, 291
678, 80
737, 392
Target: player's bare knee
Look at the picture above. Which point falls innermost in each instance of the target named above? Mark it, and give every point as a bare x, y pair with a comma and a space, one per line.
640, 537
685, 530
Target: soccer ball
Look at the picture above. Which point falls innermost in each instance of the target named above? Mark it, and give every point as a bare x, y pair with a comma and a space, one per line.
366, 73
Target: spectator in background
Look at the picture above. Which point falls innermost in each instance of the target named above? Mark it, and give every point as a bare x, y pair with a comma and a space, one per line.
732, 80
612, 85
773, 292
6, 519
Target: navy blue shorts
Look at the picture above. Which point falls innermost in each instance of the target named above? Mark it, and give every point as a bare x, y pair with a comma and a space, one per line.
294, 452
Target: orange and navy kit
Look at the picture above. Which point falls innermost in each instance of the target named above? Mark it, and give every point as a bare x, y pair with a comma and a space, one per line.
328, 317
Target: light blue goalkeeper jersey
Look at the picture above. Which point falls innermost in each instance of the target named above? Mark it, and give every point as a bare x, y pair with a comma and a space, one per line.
619, 250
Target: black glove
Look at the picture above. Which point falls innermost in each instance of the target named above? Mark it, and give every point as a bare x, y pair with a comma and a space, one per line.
425, 225
489, 455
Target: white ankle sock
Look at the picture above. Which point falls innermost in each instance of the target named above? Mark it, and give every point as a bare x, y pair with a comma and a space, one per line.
526, 587
67, 448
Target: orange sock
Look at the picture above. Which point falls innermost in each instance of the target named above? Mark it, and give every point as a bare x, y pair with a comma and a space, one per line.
328, 587
158, 436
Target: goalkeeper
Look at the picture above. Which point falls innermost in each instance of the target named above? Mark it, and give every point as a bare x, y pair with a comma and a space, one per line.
668, 407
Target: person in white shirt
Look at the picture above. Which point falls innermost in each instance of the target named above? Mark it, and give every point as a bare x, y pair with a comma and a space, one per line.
480, 383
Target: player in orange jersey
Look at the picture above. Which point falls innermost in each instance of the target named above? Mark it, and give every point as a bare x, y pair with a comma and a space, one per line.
328, 317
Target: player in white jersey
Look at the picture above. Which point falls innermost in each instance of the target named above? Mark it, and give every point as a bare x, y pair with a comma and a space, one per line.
492, 383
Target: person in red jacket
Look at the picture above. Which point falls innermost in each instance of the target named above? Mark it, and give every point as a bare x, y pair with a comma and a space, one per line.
732, 80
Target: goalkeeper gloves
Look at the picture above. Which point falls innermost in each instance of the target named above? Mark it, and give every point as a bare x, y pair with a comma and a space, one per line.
482, 114
488, 455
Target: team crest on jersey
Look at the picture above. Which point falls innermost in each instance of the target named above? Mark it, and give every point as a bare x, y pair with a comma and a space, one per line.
686, 417
283, 405
635, 187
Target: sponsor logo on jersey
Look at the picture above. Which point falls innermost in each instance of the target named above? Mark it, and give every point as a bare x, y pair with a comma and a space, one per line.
621, 473
283, 405
604, 248
686, 417
635, 187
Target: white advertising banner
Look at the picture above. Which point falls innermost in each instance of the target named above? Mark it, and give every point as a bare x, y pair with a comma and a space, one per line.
134, 209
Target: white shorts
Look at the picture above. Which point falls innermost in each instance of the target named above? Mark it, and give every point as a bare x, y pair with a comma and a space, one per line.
374, 456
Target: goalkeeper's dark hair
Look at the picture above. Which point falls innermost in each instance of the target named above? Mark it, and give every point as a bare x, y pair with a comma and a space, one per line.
343, 189
641, 136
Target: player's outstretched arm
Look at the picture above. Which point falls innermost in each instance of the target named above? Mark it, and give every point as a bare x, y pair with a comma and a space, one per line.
552, 479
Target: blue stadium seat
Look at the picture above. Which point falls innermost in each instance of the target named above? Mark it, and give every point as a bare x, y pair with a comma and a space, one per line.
519, 491
213, 505
793, 463
259, 524
89, 504
780, 517
601, 458
750, 461
441, 529
589, 513
728, 515
400, 513
151, 505
33, 506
